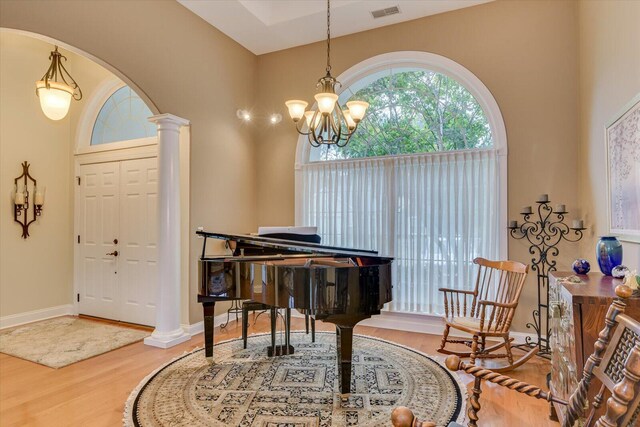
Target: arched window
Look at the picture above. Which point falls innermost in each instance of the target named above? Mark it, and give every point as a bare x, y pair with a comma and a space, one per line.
423, 179
122, 117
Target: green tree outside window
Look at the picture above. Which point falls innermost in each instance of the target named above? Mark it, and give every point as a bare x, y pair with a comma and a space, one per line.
413, 112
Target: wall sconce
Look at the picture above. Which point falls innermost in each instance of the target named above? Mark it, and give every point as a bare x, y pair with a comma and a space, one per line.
274, 119
246, 116
21, 200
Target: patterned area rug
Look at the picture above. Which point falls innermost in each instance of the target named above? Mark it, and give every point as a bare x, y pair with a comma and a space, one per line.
62, 341
246, 388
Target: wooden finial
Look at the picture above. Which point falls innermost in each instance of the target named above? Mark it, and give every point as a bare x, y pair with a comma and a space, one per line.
623, 291
403, 417
453, 363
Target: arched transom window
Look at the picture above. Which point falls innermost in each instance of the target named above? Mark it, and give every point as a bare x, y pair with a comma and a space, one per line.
423, 179
412, 111
122, 117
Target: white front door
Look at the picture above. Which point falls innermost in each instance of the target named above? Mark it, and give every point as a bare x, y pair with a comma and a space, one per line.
118, 240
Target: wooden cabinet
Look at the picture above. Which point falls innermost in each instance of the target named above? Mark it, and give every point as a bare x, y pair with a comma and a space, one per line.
577, 312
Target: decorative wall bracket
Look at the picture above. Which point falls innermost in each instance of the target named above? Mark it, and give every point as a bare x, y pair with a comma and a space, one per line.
21, 206
544, 233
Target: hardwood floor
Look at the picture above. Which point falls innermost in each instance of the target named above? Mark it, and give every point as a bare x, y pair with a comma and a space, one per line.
93, 392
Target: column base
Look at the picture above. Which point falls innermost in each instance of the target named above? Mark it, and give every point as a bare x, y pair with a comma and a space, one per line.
166, 340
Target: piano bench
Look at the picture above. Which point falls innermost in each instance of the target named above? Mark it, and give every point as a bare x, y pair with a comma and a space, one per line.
248, 306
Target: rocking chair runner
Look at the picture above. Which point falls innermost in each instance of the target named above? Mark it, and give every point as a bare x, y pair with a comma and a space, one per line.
486, 312
615, 362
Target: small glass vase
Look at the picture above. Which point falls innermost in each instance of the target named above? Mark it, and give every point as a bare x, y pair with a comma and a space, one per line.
608, 254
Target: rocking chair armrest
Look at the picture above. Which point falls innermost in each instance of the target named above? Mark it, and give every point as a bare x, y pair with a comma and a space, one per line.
454, 363
457, 291
498, 304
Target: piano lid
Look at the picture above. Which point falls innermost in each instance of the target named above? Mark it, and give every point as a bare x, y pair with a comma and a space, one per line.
290, 245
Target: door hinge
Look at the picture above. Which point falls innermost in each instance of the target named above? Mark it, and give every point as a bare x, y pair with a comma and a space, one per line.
78, 178
78, 296
78, 238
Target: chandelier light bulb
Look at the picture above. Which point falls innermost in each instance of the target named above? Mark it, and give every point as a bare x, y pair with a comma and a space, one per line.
326, 102
296, 108
357, 110
55, 99
347, 116
308, 115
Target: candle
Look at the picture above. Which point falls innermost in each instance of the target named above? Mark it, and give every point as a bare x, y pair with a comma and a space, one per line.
560, 208
19, 199
543, 198
526, 210
39, 198
513, 224
578, 223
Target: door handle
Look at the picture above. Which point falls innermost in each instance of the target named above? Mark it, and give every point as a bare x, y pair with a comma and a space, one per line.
114, 253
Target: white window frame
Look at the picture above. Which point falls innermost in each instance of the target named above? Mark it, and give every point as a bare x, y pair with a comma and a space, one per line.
356, 75
90, 114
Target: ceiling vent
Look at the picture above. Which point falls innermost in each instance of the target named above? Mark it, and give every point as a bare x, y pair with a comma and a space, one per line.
385, 12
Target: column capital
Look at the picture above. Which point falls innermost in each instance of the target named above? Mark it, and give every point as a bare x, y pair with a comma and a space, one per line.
168, 120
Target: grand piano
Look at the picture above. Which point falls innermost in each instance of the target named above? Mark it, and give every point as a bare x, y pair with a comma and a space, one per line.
335, 285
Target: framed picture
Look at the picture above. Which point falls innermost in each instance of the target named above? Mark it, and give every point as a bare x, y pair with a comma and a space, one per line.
622, 135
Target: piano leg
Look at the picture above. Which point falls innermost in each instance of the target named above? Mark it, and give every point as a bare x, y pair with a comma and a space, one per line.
209, 308
344, 344
287, 330
274, 319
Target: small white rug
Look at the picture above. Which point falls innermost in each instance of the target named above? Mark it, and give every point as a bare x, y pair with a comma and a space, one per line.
65, 340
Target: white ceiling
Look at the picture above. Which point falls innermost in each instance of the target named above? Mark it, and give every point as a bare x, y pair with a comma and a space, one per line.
264, 26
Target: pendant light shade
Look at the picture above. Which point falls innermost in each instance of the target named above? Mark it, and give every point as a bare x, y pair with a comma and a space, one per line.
329, 124
55, 99
326, 102
55, 96
296, 108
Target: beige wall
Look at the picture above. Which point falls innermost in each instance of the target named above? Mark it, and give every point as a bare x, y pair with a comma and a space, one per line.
525, 52
609, 79
187, 68
37, 273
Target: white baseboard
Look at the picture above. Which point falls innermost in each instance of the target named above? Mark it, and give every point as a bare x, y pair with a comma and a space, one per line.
198, 328
35, 315
421, 323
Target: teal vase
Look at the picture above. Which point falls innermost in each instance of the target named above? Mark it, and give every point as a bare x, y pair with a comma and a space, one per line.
608, 254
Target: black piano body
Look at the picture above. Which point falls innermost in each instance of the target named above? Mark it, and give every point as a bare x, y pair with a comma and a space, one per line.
335, 285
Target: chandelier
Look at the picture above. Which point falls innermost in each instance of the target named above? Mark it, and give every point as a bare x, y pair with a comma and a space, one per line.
329, 124
55, 96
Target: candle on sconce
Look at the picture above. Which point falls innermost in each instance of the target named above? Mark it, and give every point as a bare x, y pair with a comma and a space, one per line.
19, 198
578, 223
561, 208
38, 199
526, 210
543, 198
513, 224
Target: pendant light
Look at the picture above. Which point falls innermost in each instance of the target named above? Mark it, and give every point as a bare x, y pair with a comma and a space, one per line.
55, 96
329, 124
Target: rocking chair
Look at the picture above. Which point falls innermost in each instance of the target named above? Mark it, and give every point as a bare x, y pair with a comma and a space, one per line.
615, 362
486, 312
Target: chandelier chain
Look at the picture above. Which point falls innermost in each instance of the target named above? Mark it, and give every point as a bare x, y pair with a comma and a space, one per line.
328, 36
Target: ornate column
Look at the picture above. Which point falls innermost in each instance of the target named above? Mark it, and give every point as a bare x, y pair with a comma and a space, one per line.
168, 331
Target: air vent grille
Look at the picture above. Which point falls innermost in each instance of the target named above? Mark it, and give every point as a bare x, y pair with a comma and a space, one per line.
385, 12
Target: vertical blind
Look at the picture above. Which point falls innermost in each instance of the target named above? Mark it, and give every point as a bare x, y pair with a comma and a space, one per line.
434, 213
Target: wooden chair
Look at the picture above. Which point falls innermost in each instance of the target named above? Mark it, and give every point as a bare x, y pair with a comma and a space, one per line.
486, 312
615, 362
